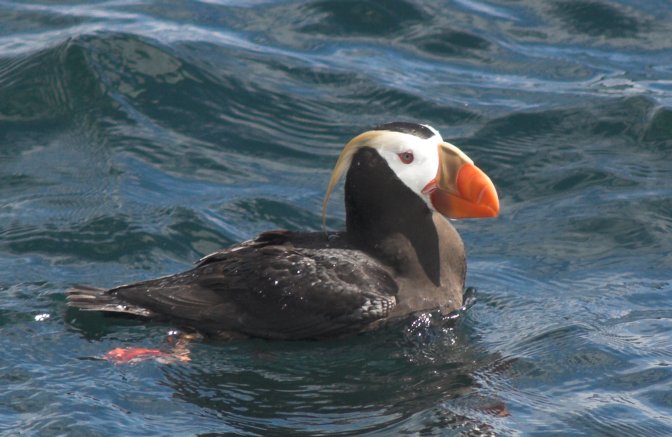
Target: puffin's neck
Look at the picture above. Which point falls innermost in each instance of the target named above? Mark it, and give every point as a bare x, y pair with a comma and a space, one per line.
385, 218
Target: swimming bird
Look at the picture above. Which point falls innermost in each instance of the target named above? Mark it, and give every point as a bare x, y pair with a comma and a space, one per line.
398, 255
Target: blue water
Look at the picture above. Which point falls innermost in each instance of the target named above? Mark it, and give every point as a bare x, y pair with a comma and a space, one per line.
137, 136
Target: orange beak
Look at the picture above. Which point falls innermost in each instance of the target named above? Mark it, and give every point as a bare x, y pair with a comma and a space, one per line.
460, 189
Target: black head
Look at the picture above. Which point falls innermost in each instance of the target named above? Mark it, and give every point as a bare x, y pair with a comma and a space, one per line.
418, 130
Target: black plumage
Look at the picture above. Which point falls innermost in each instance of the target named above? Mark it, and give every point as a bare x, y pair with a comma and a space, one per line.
396, 257
415, 129
278, 285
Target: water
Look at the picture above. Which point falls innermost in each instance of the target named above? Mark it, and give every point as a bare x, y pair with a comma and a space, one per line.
137, 136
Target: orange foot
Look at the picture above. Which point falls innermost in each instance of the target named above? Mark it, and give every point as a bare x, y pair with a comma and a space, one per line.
178, 353
132, 355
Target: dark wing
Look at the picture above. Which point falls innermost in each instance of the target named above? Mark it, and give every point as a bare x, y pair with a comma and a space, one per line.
273, 291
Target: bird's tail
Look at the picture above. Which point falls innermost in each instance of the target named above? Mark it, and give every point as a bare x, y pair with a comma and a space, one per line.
99, 299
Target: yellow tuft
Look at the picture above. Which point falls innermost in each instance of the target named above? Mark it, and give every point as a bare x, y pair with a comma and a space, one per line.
343, 164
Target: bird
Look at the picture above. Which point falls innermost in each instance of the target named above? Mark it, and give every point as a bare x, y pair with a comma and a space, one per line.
398, 255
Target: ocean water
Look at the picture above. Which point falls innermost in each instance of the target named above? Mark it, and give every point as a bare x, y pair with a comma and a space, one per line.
137, 136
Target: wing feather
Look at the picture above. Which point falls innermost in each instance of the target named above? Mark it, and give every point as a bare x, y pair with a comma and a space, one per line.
273, 291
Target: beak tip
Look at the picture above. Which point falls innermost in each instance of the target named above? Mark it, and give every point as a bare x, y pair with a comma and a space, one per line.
486, 203
475, 197
490, 200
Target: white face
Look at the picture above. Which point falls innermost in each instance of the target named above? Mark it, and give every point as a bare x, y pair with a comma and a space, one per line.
438, 172
396, 148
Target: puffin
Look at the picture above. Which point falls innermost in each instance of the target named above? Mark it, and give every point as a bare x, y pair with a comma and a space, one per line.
399, 254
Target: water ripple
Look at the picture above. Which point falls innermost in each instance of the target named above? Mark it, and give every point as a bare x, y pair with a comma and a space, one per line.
137, 136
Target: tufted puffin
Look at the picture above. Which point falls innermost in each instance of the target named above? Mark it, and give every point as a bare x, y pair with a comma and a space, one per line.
398, 255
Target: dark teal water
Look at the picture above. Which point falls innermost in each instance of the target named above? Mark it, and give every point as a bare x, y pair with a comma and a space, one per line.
137, 136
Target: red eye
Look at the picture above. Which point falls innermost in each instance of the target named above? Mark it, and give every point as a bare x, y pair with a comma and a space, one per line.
406, 157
